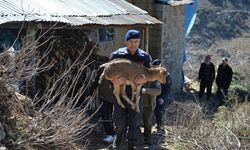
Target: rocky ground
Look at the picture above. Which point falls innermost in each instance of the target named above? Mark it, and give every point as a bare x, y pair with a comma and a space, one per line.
159, 139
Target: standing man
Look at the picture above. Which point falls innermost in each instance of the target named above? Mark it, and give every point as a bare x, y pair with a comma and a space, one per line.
105, 96
224, 78
163, 99
128, 117
206, 77
150, 91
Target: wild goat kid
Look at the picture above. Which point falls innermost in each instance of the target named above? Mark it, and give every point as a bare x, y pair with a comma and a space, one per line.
117, 68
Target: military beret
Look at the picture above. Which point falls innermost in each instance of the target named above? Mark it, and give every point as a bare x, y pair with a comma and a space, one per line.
157, 62
132, 34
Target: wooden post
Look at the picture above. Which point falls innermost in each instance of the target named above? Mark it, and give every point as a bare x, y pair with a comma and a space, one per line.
32, 35
146, 38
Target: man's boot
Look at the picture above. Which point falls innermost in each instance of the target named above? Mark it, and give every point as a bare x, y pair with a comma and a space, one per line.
131, 146
147, 141
147, 137
117, 144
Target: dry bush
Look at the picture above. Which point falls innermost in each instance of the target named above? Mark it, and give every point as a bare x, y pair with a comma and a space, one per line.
57, 123
191, 129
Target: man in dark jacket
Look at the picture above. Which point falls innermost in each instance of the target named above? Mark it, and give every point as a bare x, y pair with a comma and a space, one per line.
105, 95
128, 118
224, 77
206, 77
163, 99
149, 91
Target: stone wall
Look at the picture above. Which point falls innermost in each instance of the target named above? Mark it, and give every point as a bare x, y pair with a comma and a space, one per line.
173, 42
166, 41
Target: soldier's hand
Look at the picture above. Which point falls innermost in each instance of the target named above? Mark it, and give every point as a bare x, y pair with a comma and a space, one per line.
141, 79
161, 101
121, 80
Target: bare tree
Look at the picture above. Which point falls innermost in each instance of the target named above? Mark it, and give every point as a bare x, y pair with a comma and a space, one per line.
57, 123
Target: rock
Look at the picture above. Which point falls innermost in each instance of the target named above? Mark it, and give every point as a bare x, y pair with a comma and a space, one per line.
3, 148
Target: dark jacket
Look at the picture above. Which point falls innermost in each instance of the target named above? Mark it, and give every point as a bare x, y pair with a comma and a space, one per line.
140, 56
105, 91
207, 73
152, 90
224, 76
166, 88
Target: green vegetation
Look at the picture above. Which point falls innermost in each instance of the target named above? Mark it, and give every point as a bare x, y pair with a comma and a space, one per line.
237, 86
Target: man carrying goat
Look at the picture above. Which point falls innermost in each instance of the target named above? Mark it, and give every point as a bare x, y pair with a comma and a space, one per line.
128, 117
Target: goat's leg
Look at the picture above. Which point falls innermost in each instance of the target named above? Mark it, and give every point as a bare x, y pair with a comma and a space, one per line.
133, 87
116, 93
124, 95
138, 98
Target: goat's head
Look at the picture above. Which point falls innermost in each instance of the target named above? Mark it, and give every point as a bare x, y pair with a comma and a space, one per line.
162, 74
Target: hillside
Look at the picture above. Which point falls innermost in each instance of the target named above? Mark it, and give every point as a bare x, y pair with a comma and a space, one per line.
222, 28
220, 20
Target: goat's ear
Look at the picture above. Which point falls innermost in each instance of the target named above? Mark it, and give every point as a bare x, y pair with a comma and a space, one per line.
162, 70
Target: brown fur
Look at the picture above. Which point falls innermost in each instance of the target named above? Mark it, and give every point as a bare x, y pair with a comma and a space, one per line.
130, 70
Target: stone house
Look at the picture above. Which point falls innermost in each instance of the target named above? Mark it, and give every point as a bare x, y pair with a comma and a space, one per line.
72, 23
166, 40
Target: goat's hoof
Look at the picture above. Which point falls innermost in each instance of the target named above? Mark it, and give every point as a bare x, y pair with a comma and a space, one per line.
132, 107
138, 110
122, 106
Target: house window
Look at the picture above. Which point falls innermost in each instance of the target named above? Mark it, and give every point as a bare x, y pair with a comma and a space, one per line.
106, 35
162, 1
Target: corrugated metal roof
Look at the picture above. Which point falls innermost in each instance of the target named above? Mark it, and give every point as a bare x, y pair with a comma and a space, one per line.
175, 2
74, 12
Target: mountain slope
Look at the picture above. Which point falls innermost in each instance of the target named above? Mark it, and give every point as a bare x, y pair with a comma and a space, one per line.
222, 28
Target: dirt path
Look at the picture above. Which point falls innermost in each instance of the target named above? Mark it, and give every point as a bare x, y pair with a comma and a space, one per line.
190, 97
97, 143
